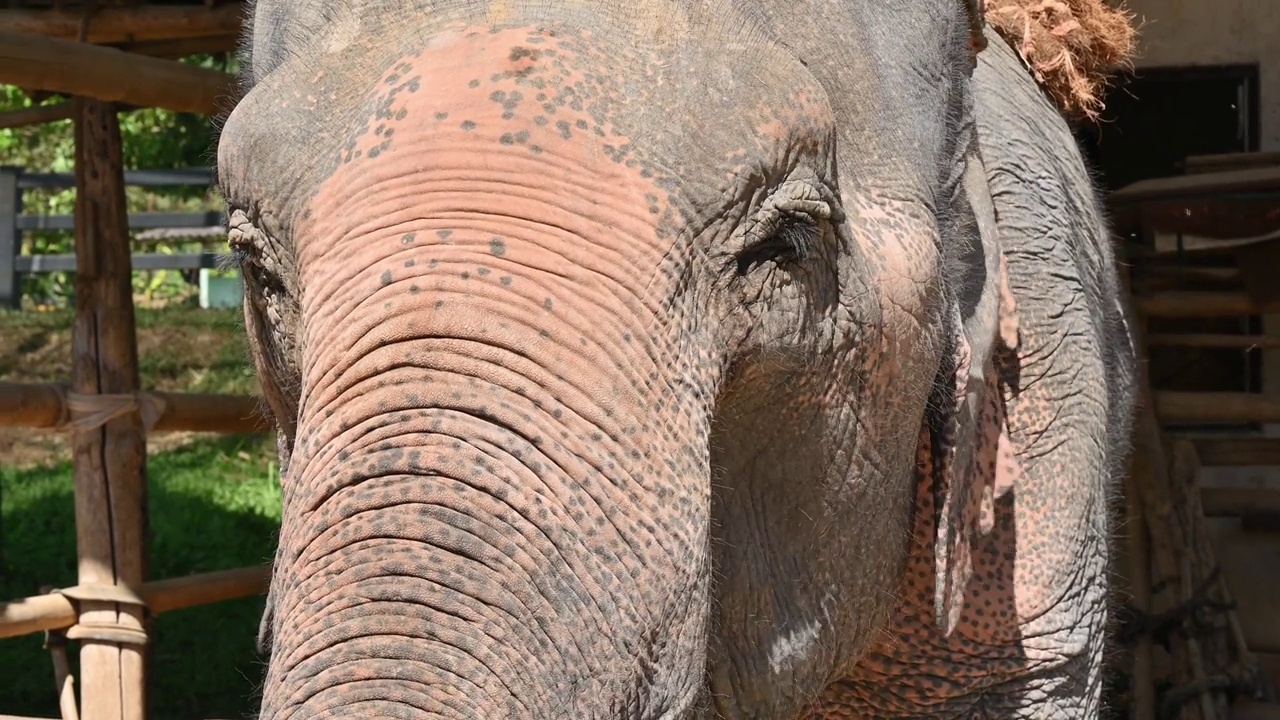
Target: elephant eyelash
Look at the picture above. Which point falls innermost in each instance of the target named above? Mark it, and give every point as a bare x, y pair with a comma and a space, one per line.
793, 238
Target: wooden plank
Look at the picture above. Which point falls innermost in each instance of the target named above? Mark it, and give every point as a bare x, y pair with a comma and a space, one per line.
1250, 180
1220, 162
42, 63
1258, 503
1222, 452
109, 461
1247, 710
1179, 304
1210, 340
1215, 407
142, 23
40, 405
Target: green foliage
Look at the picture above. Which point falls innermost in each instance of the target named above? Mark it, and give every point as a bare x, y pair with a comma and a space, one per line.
151, 139
215, 505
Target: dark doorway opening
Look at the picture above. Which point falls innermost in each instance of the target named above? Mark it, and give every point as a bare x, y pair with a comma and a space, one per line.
1154, 119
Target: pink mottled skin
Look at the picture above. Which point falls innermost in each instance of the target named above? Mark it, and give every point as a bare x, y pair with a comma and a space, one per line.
637, 365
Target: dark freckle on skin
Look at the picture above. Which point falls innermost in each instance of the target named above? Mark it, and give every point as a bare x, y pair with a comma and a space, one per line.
507, 139
433, 263
474, 83
410, 262
439, 304
468, 125
497, 247
540, 120
535, 149
414, 289
505, 280
563, 127
547, 303
402, 114
522, 137
408, 238
442, 115
375, 151
466, 275
544, 334
386, 278
482, 271
444, 234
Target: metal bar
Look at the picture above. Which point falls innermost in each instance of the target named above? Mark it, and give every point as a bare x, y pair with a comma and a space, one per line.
143, 261
10, 237
140, 220
136, 178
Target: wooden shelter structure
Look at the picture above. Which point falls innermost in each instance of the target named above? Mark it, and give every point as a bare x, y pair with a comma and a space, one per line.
1202, 645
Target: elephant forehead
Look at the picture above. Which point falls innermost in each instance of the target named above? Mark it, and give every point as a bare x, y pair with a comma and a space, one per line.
498, 124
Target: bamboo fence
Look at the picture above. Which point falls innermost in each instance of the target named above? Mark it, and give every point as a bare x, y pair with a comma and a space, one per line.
108, 417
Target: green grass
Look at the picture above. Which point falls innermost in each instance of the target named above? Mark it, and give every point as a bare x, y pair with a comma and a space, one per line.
214, 505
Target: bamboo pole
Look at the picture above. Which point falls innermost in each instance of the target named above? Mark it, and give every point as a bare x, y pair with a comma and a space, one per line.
110, 460
113, 25
65, 66
57, 612
43, 405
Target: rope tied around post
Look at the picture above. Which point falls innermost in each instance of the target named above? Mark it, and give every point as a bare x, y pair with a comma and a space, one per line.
88, 411
115, 632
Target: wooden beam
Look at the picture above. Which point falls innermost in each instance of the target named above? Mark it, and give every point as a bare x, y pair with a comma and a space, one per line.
113, 25
73, 68
37, 115
110, 459
1209, 340
1240, 502
1237, 452
1176, 304
1215, 407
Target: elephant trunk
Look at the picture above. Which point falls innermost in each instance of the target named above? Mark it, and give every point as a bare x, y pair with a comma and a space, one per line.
481, 518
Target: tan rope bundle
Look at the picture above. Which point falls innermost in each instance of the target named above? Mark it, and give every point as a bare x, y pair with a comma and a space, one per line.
1071, 46
88, 411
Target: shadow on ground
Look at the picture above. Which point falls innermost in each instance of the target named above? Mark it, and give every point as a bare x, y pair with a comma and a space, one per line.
214, 506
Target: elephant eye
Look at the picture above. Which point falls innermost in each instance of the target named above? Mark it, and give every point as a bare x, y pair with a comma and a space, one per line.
792, 238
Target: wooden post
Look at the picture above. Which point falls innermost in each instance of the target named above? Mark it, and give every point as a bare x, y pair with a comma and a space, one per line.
110, 460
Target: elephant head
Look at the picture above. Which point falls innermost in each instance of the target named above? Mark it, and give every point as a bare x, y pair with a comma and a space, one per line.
601, 341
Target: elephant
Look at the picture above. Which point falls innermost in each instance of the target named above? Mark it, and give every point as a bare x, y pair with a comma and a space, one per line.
675, 359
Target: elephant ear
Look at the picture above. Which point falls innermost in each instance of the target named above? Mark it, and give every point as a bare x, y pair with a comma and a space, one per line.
971, 459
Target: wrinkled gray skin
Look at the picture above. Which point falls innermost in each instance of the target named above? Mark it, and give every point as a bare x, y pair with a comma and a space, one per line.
602, 340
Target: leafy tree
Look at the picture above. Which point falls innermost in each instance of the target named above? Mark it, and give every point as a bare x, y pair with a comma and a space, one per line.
151, 139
